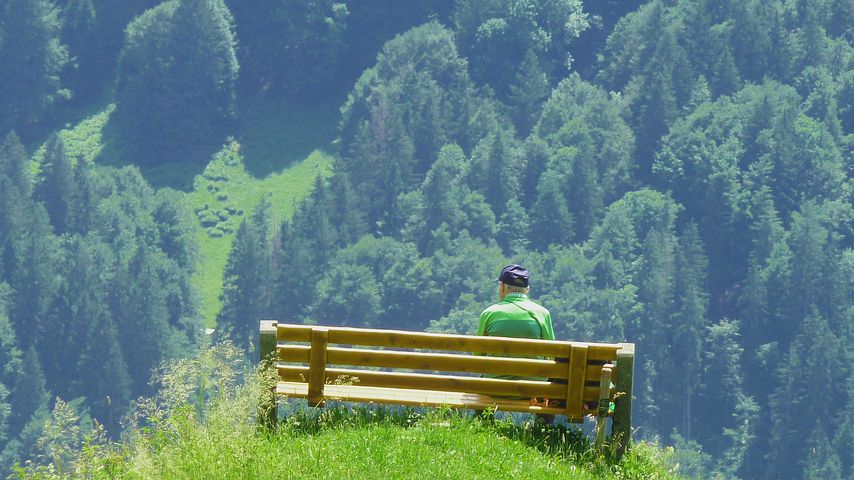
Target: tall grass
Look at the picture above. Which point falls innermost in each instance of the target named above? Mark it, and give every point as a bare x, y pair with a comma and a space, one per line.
202, 425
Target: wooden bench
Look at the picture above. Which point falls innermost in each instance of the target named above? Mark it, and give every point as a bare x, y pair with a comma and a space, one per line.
431, 369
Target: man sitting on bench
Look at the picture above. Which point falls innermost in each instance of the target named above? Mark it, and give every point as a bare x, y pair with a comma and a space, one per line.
517, 316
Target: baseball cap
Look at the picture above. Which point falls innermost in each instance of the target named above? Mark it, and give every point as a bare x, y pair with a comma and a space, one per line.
515, 275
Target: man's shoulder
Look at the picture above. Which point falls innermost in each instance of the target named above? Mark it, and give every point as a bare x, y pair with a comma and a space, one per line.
495, 307
534, 306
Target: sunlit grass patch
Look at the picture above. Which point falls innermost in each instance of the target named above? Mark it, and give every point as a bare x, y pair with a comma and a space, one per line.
224, 194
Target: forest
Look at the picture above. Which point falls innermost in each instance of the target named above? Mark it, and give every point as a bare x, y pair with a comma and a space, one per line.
674, 173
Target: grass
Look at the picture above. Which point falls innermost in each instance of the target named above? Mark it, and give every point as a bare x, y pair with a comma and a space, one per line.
279, 148
224, 194
432, 447
438, 445
85, 139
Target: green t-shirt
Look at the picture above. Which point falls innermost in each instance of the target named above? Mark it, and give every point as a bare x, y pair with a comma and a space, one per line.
518, 317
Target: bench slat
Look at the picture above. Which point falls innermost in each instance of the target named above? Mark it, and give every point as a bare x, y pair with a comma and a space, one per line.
484, 386
372, 378
397, 396
438, 341
526, 367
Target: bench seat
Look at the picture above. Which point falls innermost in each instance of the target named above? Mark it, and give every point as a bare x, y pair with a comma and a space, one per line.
416, 398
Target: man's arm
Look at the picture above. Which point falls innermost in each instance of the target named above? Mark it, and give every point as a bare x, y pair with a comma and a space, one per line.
548, 331
483, 323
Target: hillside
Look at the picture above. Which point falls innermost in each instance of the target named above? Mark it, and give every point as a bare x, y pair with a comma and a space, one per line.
277, 152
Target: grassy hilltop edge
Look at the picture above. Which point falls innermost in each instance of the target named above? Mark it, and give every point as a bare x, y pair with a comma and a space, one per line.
213, 434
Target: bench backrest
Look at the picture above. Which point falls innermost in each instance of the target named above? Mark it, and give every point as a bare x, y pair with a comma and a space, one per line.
444, 362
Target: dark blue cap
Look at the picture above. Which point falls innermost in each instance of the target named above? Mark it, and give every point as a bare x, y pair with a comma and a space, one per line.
515, 275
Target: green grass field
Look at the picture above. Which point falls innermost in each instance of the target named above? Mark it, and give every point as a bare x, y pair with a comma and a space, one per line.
277, 151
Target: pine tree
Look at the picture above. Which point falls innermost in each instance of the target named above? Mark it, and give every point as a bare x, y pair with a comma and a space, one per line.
528, 92
31, 394
723, 76
514, 227
10, 368
58, 189
690, 318
33, 277
822, 461
495, 36
551, 220
809, 381
15, 164
248, 276
5, 412
494, 169
86, 199
655, 280
721, 396
138, 304
102, 373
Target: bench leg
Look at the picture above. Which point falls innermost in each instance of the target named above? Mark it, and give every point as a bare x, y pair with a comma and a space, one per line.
604, 401
267, 405
622, 424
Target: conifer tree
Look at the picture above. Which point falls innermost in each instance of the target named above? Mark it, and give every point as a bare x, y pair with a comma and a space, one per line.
33, 277
494, 169
809, 381
248, 275
822, 459
513, 229
689, 319
86, 199
31, 394
10, 367
528, 92
58, 189
138, 304
551, 220
496, 36
102, 373
15, 164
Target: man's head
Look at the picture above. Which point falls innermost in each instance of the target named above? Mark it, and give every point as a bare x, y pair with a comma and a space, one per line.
512, 279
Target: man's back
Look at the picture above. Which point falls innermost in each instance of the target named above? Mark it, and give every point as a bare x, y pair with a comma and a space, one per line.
518, 317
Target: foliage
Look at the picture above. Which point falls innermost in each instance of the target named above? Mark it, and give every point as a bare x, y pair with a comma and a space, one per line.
176, 80
32, 57
290, 47
496, 36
